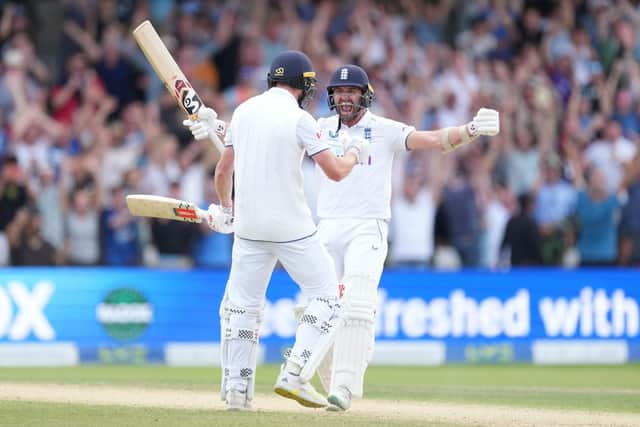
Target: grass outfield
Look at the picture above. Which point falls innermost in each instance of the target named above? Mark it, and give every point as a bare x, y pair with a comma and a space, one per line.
609, 389
63, 415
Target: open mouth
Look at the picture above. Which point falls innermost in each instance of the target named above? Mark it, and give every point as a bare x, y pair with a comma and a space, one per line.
346, 108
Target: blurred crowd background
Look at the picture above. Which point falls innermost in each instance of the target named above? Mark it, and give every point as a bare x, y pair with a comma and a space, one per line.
84, 121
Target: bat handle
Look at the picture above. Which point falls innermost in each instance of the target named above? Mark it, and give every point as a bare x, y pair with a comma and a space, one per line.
217, 143
202, 214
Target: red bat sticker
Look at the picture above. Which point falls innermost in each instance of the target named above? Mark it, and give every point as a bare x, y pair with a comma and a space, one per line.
181, 85
185, 213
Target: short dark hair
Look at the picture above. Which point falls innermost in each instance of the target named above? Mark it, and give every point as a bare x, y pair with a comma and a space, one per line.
525, 201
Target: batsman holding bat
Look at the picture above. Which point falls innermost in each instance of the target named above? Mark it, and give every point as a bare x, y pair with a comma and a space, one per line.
354, 223
265, 145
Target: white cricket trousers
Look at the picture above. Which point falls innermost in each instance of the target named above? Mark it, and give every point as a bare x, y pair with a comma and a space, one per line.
357, 246
306, 260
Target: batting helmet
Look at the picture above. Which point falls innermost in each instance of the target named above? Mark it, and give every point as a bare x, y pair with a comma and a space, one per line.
352, 76
294, 69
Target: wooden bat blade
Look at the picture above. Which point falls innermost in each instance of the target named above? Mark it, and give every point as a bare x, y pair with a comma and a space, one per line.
167, 69
170, 73
156, 52
164, 207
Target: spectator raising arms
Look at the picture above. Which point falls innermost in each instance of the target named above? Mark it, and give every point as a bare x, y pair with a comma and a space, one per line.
597, 213
563, 73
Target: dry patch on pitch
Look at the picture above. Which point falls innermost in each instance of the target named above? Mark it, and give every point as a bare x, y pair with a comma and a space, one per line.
428, 412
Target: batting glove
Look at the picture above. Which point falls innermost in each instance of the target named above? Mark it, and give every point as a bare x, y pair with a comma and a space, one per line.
360, 147
485, 122
207, 125
220, 218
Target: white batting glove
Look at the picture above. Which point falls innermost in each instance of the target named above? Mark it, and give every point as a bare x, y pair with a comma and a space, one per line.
208, 115
207, 121
357, 145
485, 122
360, 147
220, 218
198, 129
207, 126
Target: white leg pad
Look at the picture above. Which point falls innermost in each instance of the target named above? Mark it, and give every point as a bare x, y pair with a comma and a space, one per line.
315, 334
352, 352
324, 369
353, 346
239, 337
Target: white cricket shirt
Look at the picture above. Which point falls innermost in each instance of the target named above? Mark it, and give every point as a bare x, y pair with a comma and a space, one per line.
270, 134
366, 191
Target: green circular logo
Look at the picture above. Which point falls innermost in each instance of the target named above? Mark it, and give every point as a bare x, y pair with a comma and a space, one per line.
124, 313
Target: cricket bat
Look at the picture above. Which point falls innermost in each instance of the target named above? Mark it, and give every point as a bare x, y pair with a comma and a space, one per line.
164, 207
170, 73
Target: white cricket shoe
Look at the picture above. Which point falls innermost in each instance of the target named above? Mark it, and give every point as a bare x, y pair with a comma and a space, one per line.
339, 399
237, 401
291, 387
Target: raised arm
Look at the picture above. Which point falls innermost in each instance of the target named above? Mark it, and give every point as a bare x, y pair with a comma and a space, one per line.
486, 122
83, 38
573, 156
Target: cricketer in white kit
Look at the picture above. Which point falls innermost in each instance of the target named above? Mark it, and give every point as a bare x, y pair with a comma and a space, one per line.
353, 222
265, 145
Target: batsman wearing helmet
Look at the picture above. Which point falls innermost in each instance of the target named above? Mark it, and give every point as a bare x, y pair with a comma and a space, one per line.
354, 215
265, 144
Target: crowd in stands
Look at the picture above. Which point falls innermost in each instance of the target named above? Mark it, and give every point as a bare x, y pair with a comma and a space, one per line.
88, 123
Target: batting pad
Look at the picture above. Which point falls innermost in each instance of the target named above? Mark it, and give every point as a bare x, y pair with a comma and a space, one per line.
315, 334
352, 351
353, 345
239, 349
324, 368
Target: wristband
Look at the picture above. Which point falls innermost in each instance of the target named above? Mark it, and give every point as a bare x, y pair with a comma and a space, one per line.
444, 141
464, 135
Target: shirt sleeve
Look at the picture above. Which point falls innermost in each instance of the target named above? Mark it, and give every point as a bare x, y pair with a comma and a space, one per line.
228, 141
310, 135
398, 134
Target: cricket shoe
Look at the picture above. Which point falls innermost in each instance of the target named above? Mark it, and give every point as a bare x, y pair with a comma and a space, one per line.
291, 387
339, 399
237, 401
